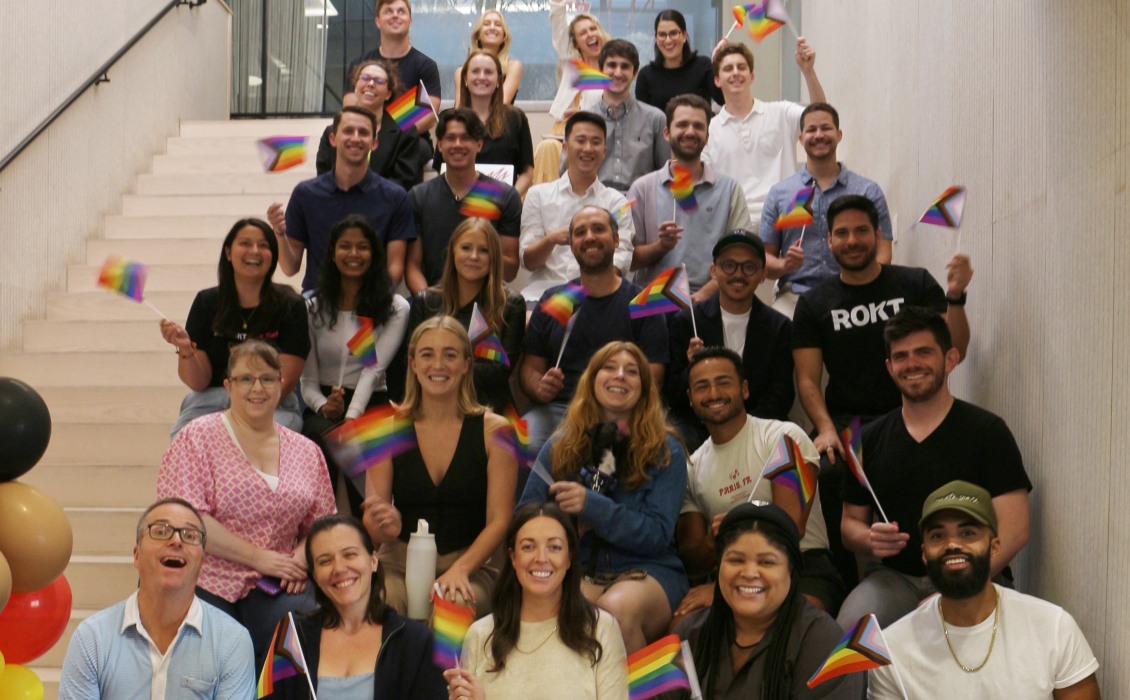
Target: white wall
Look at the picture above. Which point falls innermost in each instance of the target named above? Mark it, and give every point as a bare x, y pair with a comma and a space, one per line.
53, 197
1028, 105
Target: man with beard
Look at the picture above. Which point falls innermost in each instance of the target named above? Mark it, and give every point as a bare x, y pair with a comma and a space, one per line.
721, 475
162, 641
931, 440
799, 256
660, 222
548, 375
736, 319
550, 206
976, 639
838, 325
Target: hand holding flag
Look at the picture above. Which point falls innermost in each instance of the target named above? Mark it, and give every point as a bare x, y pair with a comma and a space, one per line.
852, 437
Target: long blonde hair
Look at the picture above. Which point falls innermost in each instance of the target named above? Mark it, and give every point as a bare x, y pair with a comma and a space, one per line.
605, 37
648, 425
493, 293
503, 48
468, 403
496, 119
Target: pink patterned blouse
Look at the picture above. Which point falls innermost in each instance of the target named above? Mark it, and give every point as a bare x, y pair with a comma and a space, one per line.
207, 468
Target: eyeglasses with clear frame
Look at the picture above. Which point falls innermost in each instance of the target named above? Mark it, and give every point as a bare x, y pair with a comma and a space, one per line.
162, 531
374, 79
247, 381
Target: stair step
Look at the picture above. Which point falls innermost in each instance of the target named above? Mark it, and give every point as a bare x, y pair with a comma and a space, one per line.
107, 369
157, 251
118, 443
253, 128
97, 485
98, 336
163, 278
104, 531
133, 405
277, 184
101, 305
100, 581
235, 205
212, 227
241, 145
227, 163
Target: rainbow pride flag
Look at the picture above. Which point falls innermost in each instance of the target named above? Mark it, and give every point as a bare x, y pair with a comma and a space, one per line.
761, 19
669, 291
286, 659
799, 212
651, 670
947, 209
484, 199
125, 277
363, 344
563, 304
624, 209
450, 622
582, 76
517, 440
786, 466
484, 342
852, 437
282, 152
379, 435
407, 110
861, 648
682, 187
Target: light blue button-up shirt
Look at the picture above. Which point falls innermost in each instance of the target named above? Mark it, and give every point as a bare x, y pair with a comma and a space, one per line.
112, 657
818, 260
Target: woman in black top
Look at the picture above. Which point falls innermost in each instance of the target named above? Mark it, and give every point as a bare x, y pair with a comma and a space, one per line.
397, 156
677, 69
460, 476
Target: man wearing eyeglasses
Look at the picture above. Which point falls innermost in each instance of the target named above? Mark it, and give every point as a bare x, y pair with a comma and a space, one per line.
736, 319
161, 642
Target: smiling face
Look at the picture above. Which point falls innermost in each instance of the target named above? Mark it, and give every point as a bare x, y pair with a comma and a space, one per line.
746, 272
717, 394
170, 565
481, 76
439, 363
853, 240
919, 367
687, 133
819, 135
617, 386
353, 254
251, 399
669, 39
343, 569
492, 32
621, 71
754, 578
394, 19
734, 75
457, 147
592, 240
588, 39
585, 149
372, 88
353, 139
957, 551
540, 558
472, 256
249, 253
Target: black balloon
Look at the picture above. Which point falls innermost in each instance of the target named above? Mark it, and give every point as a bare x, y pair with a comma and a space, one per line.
25, 428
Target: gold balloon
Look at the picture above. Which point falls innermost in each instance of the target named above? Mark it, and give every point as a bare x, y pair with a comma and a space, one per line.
35, 536
5, 590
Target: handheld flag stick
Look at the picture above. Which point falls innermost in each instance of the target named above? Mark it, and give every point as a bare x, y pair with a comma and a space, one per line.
694, 326
344, 357
731, 30
692, 672
150, 305
565, 340
802, 230
309, 681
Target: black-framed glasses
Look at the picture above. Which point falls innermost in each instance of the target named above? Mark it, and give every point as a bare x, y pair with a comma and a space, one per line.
749, 268
164, 531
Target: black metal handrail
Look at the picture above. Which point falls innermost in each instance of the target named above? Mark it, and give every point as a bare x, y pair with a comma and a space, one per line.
99, 76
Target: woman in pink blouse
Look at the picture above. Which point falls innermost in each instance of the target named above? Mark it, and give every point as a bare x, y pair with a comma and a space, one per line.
259, 487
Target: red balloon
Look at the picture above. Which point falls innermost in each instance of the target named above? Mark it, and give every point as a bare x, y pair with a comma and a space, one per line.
31, 623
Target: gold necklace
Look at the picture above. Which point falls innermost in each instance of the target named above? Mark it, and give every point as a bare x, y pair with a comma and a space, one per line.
539, 646
992, 640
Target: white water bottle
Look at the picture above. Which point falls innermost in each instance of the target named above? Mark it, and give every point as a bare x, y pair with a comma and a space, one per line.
420, 571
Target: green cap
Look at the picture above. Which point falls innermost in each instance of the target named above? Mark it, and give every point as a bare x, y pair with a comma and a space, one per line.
963, 497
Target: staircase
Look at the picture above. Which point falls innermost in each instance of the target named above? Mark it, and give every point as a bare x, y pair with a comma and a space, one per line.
98, 359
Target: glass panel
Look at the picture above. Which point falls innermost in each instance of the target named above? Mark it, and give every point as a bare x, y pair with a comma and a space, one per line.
289, 78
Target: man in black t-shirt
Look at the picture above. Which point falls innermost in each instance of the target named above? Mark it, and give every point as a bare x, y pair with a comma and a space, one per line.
931, 440
838, 324
600, 319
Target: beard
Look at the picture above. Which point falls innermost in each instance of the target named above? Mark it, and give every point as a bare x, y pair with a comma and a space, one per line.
923, 394
862, 264
604, 263
959, 586
687, 154
735, 409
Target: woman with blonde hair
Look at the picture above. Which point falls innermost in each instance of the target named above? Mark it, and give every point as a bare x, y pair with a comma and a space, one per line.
618, 466
491, 33
459, 477
508, 140
472, 274
581, 38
